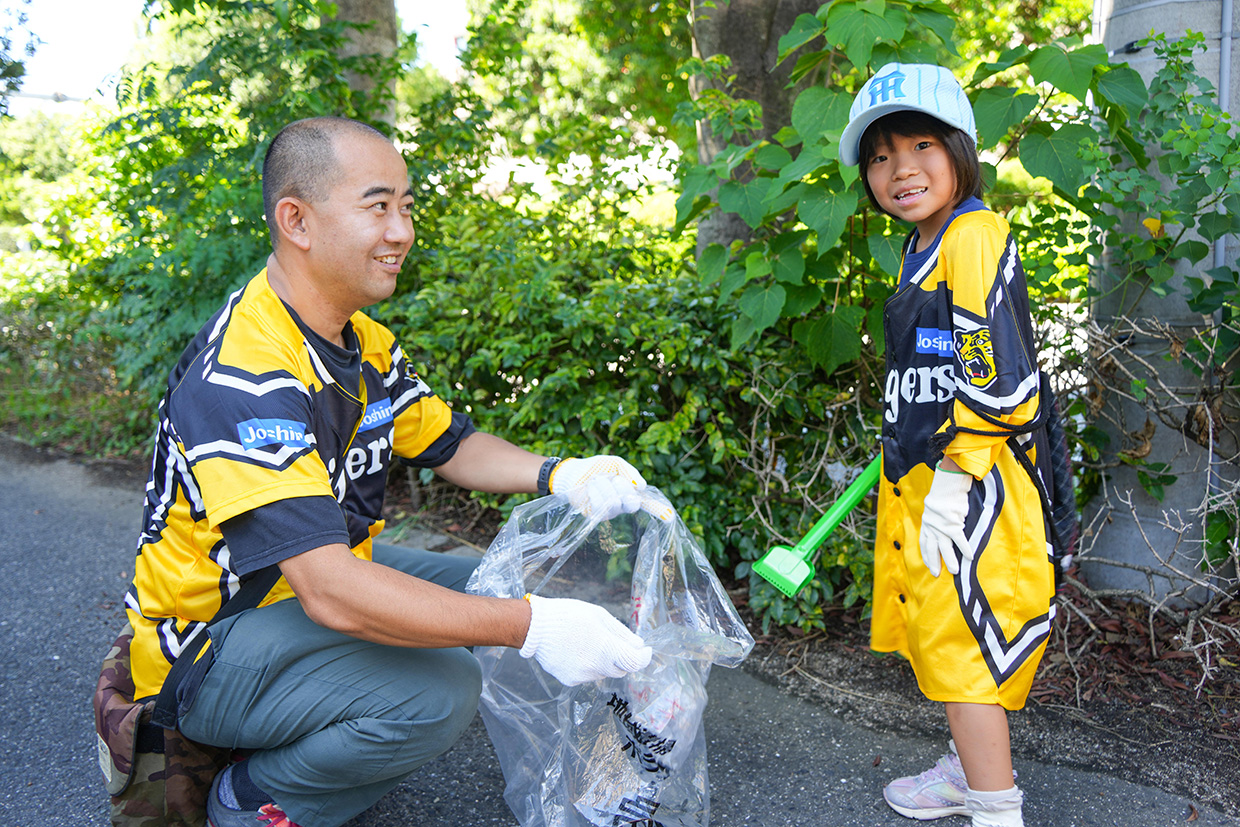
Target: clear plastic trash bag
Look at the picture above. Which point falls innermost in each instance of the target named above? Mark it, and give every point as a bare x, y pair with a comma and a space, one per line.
622, 751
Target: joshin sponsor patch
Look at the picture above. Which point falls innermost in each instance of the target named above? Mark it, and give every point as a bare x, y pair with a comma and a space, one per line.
255, 433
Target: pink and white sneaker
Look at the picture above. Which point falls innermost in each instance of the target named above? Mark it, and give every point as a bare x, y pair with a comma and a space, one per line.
937, 792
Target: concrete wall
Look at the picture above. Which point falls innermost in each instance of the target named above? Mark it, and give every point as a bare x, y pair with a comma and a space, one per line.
1117, 535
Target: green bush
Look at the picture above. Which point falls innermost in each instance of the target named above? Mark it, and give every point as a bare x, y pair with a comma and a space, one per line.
597, 336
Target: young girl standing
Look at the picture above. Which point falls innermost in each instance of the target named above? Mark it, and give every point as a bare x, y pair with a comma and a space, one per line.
960, 351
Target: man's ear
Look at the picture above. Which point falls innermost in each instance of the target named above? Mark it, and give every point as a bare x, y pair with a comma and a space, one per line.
291, 214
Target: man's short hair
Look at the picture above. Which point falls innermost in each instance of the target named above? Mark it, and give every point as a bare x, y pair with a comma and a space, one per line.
908, 123
301, 162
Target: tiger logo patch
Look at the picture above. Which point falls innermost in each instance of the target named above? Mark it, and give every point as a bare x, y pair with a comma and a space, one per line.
977, 356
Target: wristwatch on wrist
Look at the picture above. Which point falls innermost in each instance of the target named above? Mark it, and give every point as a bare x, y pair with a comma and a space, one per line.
544, 475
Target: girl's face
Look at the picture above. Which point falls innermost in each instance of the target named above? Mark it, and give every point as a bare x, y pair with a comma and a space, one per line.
914, 179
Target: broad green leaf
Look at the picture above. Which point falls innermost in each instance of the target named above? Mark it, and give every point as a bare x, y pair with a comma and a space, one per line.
757, 265
826, 265
1161, 273
699, 180
801, 299
997, 110
1070, 71
1012, 57
1053, 155
848, 174
763, 303
817, 110
806, 163
938, 18
745, 200
733, 277
885, 250
772, 157
1135, 147
826, 213
789, 267
1124, 86
1219, 528
783, 241
898, 19
711, 263
778, 199
874, 326
833, 338
742, 330
990, 174
689, 208
906, 51
807, 63
1215, 225
856, 30
1194, 251
804, 29
786, 136
731, 157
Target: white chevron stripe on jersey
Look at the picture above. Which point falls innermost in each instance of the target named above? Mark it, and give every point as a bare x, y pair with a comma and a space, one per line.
231, 583
222, 322
207, 357
977, 537
1008, 655
172, 641
186, 478
1007, 271
254, 388
1002, 655
224, 446
1022, 393
419, 390
393, 375
174, 466
928, 266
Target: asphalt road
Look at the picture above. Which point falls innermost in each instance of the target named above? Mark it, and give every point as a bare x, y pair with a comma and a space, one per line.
776, 761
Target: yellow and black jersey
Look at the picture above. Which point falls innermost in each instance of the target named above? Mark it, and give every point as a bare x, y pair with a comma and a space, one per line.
958, 342
264, 417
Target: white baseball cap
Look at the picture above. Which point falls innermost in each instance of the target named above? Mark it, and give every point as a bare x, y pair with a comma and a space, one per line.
920, 87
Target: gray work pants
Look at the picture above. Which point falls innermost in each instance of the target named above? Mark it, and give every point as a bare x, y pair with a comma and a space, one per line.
333, 722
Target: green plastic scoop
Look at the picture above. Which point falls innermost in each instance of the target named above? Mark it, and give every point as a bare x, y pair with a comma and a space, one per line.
788, 569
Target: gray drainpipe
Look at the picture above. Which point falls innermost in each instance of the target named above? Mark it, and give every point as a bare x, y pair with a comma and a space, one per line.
1224, 101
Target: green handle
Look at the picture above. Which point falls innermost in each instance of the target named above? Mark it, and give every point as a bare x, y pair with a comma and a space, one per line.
852, 495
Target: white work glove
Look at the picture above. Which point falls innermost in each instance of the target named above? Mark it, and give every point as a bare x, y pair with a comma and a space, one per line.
600, 487
942, 522
578, 642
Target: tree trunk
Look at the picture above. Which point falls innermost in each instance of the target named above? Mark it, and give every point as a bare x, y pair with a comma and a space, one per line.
379, 37
748, 32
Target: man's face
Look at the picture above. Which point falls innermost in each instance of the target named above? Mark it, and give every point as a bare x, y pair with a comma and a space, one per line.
362, 231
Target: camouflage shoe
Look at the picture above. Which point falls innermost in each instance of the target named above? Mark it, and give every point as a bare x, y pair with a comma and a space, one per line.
937, 792
220, 814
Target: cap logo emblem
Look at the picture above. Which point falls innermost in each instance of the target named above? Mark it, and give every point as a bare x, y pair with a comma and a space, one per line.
887, 87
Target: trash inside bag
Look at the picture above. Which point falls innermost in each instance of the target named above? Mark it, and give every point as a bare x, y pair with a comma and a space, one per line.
629, 750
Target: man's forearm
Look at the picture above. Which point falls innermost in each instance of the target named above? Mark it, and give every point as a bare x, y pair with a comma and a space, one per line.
373, 602
484, 462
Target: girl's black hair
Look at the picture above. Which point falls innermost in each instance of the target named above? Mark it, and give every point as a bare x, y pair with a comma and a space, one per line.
908, 123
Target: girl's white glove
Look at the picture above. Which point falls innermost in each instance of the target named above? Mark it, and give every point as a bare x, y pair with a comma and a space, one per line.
942, 522
600, 487
579, 642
